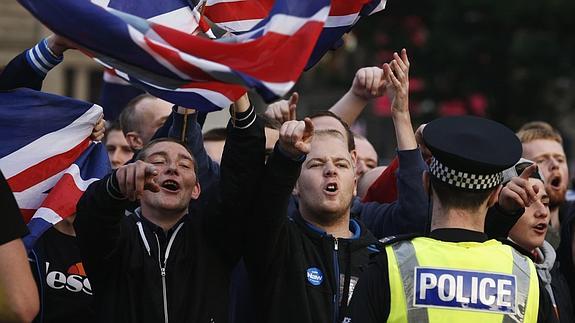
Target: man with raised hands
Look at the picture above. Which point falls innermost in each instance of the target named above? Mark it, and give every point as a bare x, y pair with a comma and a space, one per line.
304, 267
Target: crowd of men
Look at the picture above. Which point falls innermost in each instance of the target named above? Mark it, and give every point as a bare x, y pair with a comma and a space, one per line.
285, 218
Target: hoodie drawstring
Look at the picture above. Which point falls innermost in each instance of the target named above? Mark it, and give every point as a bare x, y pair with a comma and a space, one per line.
141, 230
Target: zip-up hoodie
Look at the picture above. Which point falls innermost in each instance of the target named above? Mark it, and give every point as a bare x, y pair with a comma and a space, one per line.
300, 273
141, 274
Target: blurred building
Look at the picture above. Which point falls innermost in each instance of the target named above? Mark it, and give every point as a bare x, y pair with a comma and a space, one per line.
77, 76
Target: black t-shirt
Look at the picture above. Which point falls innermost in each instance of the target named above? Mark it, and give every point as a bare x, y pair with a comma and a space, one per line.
13, 226
67, 291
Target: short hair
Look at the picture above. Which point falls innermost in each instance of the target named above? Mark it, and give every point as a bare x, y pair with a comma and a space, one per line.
348, 133
142, 154
455, 198
538, 130
216, 134
111, 126
129, 118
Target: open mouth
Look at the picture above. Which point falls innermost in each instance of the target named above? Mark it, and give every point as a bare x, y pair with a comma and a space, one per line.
541, 227
555, 182
171, 185
331, 188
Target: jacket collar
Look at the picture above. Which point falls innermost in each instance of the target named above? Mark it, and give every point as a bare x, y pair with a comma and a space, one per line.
354, 227
154, 228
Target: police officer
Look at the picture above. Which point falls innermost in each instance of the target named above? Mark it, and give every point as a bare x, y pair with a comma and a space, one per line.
456, 274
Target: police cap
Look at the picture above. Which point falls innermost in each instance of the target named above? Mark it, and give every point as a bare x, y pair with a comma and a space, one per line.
470, 153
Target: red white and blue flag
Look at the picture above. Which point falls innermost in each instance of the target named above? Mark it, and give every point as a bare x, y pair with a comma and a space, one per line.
177, 14
239, 16
193, 71
46, 154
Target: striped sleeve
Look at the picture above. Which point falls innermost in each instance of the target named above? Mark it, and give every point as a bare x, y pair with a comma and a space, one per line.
41, 58
242, 120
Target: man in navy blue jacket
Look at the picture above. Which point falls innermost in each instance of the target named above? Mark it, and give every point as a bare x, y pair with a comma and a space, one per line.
304, 266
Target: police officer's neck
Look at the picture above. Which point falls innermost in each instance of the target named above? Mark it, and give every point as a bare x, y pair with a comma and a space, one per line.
453, 218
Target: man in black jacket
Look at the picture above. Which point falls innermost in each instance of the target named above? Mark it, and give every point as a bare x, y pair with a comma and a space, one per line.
304, 268
162, 263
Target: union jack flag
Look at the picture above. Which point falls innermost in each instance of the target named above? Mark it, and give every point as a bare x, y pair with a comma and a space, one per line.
239, 16
177, 14
46, 155
188, 70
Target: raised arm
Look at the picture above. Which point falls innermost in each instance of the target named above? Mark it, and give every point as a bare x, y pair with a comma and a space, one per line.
241, 170
31, 67
368, 83
268, 228
409, 213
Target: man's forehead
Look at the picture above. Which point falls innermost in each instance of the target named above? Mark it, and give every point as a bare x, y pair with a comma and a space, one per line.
328, 144
327, 122
541, 147
365, 148
169, 149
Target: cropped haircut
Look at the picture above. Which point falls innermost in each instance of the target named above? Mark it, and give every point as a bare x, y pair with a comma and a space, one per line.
142, 154
348, 132
454, 198
111, 126
129, 118
538, 130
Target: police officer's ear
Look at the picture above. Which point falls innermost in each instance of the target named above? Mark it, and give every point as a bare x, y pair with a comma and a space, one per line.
425, 180
494, 196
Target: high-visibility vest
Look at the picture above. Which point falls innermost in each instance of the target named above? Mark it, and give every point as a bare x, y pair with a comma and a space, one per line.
436, 281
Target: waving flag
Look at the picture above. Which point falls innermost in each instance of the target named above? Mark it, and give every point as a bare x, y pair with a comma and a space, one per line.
239, 16
188, 70
46, 156
177, 14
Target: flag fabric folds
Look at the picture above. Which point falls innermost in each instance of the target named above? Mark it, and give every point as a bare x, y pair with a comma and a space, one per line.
188, 70
178, 14
46, 155
239, 16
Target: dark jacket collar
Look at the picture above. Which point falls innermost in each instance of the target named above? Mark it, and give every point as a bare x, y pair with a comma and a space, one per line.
354, 227
157, 229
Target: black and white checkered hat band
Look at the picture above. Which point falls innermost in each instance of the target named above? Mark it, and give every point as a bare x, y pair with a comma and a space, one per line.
462, 179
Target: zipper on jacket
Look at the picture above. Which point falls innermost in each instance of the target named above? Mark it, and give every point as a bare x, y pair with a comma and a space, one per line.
336, 269
163, 268
162, 265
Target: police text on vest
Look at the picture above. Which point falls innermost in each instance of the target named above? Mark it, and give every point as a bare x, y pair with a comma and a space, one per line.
465, 290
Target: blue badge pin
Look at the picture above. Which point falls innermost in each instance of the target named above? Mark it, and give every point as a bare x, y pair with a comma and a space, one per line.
314, 276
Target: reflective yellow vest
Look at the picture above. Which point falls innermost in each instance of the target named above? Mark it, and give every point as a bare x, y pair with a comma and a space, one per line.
437, 281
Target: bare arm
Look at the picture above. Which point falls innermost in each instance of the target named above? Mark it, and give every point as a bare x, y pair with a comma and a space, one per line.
397, 74
368, 83
18, 292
